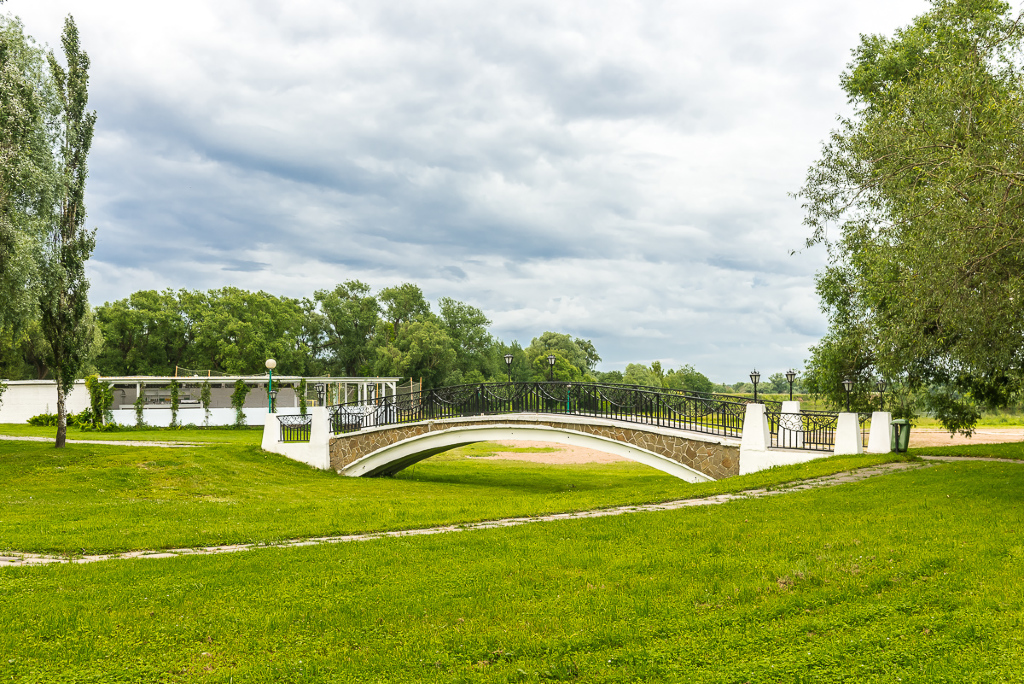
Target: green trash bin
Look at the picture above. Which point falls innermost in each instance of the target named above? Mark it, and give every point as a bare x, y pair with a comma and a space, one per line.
899, 435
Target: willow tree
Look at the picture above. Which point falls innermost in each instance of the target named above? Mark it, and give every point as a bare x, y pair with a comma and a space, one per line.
919, 197
63, 300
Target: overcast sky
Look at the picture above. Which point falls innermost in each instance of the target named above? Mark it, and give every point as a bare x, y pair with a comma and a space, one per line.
615, 170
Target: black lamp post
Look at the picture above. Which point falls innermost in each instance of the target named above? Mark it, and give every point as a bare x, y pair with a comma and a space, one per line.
551, 366
273, 400
754, 378
320, 389
791, 376
881, 394
848, 386
508, 366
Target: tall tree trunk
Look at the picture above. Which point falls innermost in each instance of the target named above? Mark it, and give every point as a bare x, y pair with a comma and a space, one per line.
62, 417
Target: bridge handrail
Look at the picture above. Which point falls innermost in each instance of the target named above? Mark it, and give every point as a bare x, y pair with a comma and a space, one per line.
698, 412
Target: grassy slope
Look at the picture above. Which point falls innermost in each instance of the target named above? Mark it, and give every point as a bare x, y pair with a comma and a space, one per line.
913, 577
97, 498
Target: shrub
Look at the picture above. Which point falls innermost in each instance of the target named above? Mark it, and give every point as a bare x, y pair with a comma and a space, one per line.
205, 397
174, 403
140, 403
43, 419
101, 398
238, 401
302, 396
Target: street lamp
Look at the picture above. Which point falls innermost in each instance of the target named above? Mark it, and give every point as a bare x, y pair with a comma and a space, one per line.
881, 393
848, 386
508, 366
791, 376
273, 400
320, 389
271, 365
754, 378
551, 366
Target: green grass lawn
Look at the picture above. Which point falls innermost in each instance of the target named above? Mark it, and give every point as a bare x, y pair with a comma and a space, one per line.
89, 498
910, 577
225, 435
1014, 450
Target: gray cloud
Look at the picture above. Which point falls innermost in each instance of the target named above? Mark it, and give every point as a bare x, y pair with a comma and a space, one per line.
618, 171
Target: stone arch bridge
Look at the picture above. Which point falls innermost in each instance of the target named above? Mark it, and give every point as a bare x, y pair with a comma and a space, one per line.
695, 437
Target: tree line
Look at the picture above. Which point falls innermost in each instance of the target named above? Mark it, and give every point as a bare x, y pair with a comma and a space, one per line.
349, 330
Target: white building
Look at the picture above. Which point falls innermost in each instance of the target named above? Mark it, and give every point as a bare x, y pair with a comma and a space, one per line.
26, 398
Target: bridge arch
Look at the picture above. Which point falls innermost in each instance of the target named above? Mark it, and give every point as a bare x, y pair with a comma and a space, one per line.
386, 450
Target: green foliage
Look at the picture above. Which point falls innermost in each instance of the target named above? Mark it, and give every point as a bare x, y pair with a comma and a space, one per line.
63, 298
175, 403
101, 398
639, 374
564, 370
238, 401
578, 353
349, 314
46, 419
27, 179
924, 182
140, 405
303, 405
205, 398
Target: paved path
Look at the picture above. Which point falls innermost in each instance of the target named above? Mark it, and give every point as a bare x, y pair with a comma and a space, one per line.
108, 442
970, 458
27, 559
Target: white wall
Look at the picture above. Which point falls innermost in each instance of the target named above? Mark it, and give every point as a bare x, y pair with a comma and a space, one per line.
26, 398
160, 416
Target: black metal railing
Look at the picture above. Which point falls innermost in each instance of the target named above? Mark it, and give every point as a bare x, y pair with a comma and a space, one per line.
294, 428
707, 413
808, 430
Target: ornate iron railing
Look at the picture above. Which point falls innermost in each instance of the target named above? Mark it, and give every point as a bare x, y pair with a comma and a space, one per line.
294, 428
808, 430
712, 414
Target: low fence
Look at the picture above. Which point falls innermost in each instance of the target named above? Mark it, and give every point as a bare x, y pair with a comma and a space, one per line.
295, 428
808, 430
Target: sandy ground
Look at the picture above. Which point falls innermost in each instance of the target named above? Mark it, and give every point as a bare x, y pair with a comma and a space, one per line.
927, 437
565, 454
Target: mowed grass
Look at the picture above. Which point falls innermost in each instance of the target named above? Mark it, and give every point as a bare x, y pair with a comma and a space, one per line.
912, 577
1013, 450
88, 498
215, 435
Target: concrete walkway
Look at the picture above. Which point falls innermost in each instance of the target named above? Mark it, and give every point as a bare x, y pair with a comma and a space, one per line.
30, 559
108, 442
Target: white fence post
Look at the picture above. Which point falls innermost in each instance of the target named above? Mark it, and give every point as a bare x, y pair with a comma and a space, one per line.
848, 438
878, 438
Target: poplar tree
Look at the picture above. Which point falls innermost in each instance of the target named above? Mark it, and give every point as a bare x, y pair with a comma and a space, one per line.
63, 300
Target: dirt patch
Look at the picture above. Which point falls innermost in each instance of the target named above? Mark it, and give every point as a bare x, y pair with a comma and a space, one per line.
936, 437
562, 454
